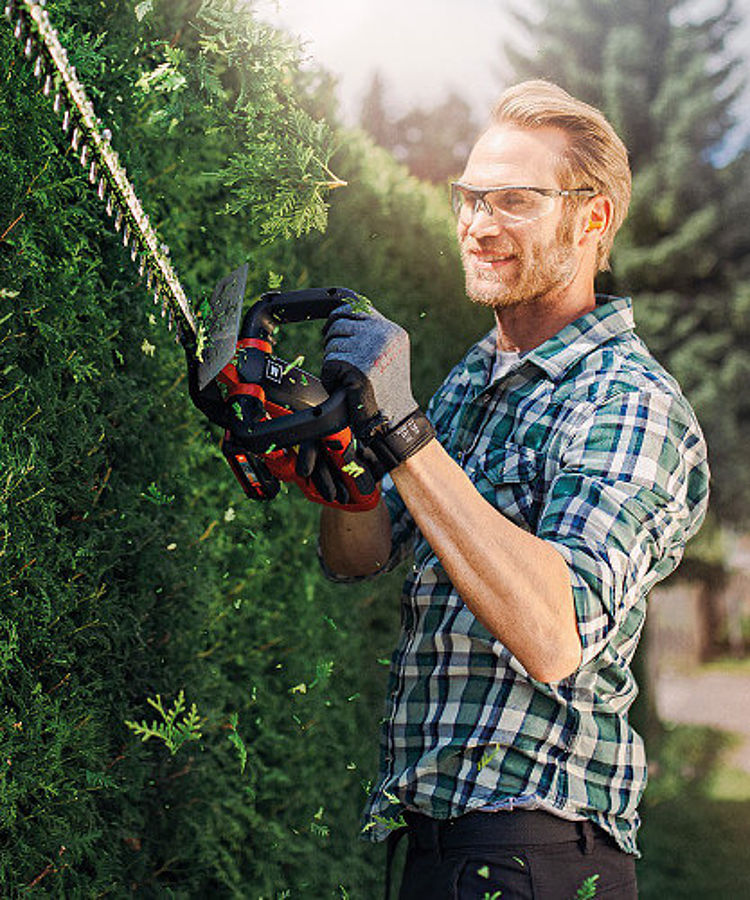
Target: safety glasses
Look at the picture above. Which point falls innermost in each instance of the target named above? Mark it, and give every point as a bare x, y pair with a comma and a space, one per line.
515, 205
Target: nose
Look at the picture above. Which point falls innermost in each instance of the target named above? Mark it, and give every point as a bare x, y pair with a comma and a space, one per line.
482, 224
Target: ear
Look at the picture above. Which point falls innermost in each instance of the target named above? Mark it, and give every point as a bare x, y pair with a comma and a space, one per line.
598, 219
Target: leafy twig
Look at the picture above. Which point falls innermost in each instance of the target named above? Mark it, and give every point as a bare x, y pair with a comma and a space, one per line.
173, 731
236, 741
587, 890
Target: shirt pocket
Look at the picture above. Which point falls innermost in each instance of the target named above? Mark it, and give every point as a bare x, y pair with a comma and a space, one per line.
511, 478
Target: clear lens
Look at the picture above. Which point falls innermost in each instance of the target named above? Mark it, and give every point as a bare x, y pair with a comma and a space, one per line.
513, 204
461, 201
520, 204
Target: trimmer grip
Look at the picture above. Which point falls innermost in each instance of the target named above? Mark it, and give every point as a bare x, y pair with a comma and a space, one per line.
284, 307
291, 429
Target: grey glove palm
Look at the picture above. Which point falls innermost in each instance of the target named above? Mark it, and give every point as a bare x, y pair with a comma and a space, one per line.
368, 355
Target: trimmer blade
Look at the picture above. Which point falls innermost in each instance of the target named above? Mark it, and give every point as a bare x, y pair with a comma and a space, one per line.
40, 44
222, 325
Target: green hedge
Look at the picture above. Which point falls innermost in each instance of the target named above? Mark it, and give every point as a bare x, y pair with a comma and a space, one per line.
130, 564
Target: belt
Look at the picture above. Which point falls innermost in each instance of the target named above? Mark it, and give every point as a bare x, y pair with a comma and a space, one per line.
504, 828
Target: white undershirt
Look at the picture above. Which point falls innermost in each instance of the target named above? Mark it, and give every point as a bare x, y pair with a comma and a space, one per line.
504, 360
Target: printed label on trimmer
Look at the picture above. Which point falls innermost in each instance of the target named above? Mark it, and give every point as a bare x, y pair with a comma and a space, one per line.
274, 370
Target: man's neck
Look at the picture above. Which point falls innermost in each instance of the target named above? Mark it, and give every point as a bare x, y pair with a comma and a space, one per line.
523, 326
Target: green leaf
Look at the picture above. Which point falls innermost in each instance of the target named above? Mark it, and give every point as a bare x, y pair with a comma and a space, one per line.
236, 741
174, 732
587, 890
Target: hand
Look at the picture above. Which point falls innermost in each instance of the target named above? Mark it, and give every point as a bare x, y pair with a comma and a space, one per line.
368, 355
328, 470
341, 472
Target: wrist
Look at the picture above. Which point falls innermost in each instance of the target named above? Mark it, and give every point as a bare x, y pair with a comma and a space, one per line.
394, 445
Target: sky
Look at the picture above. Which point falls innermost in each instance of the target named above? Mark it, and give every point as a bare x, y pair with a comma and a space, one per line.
423, 48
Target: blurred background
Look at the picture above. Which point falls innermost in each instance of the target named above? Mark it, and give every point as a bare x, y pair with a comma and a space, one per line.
131, 566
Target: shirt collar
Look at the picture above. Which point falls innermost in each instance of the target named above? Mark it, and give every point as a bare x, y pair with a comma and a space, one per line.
479, 362
612, 316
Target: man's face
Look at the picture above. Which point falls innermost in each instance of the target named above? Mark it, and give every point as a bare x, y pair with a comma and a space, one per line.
508, 264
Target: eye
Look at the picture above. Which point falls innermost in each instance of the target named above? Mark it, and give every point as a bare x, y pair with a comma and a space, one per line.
515, 202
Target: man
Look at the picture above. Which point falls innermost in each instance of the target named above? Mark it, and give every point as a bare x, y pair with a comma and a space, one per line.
567, 473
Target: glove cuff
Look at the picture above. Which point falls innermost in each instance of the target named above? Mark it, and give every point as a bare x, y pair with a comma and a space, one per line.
392, 447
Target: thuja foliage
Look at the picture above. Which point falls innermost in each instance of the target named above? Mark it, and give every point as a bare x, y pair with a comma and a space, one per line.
131, 567
174, 725
125, 572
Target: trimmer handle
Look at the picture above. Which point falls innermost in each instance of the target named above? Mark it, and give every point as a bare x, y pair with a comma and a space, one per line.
256, 372
283, 307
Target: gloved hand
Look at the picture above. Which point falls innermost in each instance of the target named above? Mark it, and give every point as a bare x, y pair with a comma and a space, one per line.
368, 355
330, 470
335, 470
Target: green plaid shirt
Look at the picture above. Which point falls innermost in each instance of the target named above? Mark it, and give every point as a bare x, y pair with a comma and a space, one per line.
588, 443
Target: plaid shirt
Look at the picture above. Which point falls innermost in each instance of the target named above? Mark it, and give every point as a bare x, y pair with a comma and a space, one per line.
588, 443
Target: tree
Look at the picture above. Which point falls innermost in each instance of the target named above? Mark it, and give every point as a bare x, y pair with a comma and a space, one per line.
666, 81
432, 142
374, 116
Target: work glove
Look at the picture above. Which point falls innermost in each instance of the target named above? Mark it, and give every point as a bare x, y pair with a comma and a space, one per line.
368, 356
330, 470
339, 471
333, 470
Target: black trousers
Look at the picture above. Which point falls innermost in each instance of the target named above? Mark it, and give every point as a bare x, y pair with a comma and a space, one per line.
518, 855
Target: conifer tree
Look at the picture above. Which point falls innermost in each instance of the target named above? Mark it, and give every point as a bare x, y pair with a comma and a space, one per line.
667, 83
432, 142
374, 116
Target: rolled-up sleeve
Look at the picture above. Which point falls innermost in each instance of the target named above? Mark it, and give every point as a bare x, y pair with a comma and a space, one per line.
630, 490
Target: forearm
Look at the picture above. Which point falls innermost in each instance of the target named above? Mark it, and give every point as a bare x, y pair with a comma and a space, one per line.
355, 543
517, 585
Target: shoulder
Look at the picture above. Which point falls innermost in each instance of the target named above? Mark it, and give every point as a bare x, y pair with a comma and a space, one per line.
621, 364
624, 415
623, 373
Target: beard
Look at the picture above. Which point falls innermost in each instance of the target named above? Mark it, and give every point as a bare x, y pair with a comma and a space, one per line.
537, 272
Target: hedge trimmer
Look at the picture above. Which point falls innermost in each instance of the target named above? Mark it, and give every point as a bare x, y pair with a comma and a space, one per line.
268, 407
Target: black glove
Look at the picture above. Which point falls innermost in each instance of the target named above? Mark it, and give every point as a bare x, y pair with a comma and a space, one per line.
324, 462
368, 355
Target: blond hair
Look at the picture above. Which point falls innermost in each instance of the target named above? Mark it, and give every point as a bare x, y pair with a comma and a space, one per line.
595, 156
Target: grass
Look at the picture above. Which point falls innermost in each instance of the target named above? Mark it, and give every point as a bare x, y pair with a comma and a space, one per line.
729, 665
695, 837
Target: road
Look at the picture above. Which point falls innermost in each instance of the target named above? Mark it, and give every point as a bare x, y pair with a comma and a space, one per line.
719, 699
